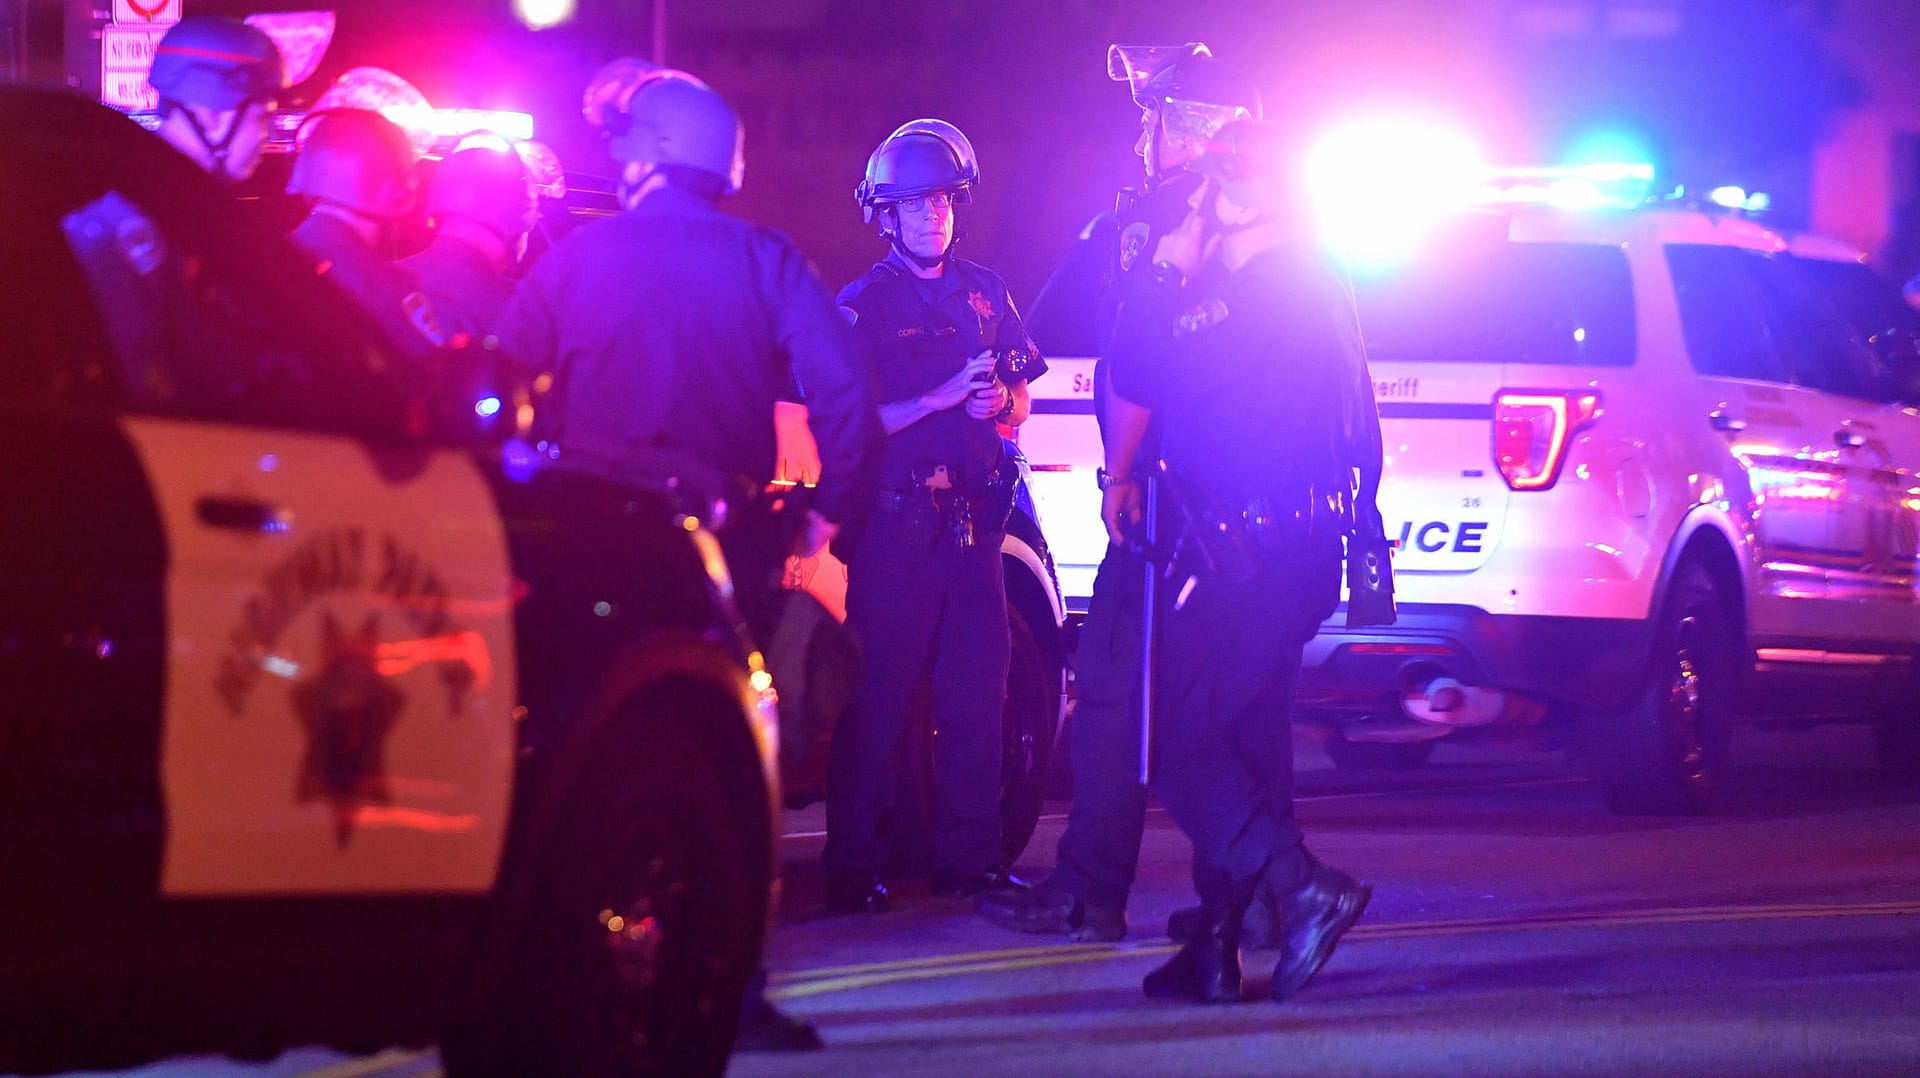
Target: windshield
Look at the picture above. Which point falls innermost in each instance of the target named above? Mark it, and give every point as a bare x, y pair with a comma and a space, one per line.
1486, 300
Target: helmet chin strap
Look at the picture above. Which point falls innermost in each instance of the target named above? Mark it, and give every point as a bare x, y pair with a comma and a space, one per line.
900, 246
217, 150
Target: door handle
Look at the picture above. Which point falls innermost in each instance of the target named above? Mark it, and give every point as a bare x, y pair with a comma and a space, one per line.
241, 514
1726, 421
1849, 438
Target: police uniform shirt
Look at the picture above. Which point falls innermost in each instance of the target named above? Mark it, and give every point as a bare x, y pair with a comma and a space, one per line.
1075, 312
918, 333
386, 292
466, 291
1247, 371
675, 327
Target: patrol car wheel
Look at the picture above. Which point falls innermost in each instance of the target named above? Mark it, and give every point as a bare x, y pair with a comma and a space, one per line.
1666, 754
1027, 731
1026, 742
651, 910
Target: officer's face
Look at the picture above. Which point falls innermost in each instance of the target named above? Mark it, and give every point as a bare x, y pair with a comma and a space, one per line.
249, 138
926, 225
1162, 150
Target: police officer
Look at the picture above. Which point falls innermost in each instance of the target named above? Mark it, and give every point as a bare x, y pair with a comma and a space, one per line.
672, 328
925, 595
1244, 342
218, 80
670, 331
1185, 96
355, 169
481, 204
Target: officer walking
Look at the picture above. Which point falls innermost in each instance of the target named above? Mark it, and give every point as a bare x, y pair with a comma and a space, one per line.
672, 329
355, 169
481, 204
925, 594
1244, 343
1185, 96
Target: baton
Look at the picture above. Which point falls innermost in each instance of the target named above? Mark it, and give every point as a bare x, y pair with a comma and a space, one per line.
1150, 508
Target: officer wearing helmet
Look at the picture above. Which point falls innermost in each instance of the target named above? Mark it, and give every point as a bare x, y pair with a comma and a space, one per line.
218, 80
355, 170
1242, 339
671, 329
1185, 96
925, 592
481, 204
668, 333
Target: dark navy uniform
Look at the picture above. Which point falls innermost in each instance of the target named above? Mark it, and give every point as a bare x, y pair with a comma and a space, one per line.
1247, 374
1100, 849
925, 594
466, 291
386, 292
670, 331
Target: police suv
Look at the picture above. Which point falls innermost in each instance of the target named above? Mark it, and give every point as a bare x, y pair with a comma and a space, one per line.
1649, 468
329, 719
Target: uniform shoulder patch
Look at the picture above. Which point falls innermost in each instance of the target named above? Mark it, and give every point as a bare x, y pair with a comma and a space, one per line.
1207, 314
419, 311
1133, 243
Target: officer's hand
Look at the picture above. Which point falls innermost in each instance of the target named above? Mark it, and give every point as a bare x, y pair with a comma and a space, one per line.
964, 381
989, 401
1120, 509
820, 532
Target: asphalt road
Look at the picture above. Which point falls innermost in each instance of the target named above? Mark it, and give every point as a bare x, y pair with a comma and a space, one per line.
1517, 927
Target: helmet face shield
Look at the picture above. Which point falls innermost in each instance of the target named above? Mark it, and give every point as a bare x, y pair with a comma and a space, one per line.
1136, 65
919, 158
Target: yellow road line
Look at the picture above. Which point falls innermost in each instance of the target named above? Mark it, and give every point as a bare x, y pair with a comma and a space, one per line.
800, 984
361, 1068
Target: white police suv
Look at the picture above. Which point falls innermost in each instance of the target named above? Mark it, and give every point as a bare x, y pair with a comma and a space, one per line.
1649, 468
327, 718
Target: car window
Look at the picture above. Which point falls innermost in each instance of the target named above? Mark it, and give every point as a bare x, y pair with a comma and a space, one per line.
54, 353
1485, 300
1818, 345
1720, 313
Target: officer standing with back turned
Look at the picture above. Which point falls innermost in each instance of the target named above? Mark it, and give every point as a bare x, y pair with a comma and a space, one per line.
1185, 96
925, 591
670, 330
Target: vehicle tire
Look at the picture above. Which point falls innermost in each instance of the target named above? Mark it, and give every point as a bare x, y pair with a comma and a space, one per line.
649, 912
1028, 725
1666, 754
1377, 755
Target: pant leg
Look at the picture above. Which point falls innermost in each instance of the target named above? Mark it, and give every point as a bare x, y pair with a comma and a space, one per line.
972, 649
893, 617
1099, 852
1222, 655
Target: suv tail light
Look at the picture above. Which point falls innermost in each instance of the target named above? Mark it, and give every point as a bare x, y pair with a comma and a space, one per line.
1531, 431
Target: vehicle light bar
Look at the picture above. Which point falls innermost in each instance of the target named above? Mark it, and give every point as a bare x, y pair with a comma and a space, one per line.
1531, 432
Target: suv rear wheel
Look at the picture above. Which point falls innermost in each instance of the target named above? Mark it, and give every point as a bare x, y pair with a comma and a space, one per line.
1665, 754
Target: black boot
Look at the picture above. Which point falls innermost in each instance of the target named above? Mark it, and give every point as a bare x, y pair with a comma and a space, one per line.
1207, 967
1316, 915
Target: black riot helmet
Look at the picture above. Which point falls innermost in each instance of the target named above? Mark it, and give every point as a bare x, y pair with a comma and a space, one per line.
918, 158
1187, 91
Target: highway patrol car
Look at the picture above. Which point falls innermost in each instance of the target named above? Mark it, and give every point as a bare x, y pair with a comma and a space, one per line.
330, 718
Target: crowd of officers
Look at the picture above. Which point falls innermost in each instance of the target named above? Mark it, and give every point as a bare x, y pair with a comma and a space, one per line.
1231, 374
